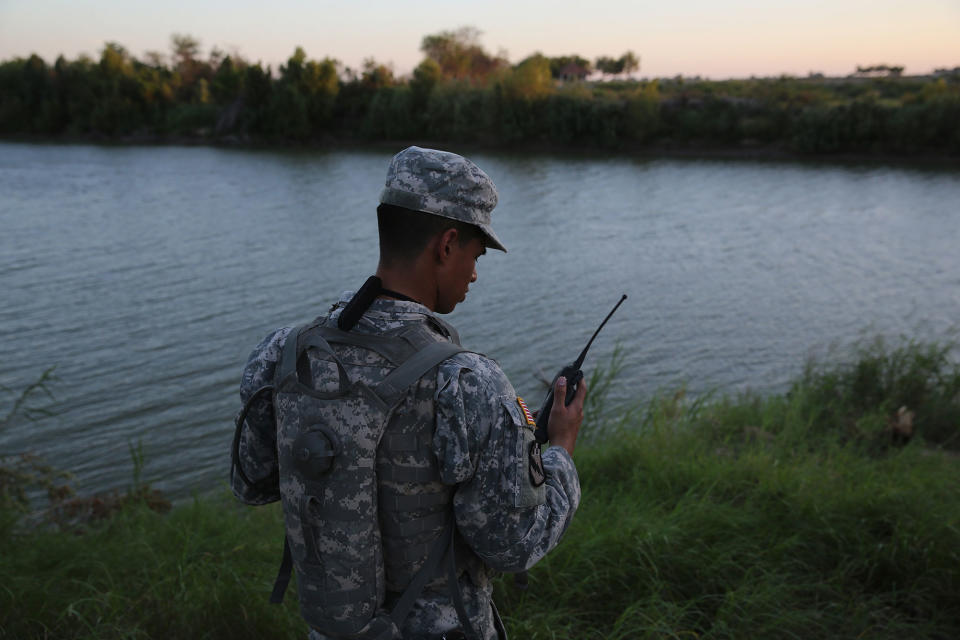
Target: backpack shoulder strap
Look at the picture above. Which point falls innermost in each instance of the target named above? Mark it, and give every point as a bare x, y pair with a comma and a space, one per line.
413, 368
387, 345
287, 363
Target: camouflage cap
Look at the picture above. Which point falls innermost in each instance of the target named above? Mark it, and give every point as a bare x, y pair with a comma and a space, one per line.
444, 184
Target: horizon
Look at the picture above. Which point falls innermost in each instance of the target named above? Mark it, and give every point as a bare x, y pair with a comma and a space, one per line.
740, 39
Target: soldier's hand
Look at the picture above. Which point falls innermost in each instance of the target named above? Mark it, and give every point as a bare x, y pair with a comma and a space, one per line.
565, 420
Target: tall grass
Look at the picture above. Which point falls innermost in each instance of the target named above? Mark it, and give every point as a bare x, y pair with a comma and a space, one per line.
798, 515
202, 571
794, 515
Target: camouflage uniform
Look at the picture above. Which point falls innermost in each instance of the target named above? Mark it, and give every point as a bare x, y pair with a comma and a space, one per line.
476, 436
504, 522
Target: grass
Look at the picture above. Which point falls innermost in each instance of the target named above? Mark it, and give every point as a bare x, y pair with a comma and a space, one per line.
686, 535
795, 515
202, 571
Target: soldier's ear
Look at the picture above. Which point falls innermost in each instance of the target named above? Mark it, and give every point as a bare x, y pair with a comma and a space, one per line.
444, 245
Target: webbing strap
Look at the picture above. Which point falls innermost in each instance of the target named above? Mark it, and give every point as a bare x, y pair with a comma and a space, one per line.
415, 526
409, 554
396, 473
400, 502
309, 338
402, 608
288, 356
401, 441
386, 345
393, 386
283, 575
454, 584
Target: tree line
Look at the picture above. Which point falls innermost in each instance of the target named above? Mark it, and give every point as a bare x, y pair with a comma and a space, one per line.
461, 93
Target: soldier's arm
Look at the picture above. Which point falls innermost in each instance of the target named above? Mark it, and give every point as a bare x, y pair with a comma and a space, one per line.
508, 508
258, 437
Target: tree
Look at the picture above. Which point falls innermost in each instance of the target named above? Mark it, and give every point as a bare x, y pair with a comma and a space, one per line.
307, 89
609, 66
376, 75
154, 59
531, 78
459, 54
120, 93
879, 70
628, 63
185, 49
571, 65
227, 82
114, 59
425, 78
257, 91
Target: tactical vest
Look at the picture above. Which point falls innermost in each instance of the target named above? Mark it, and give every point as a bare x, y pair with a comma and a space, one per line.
358, 481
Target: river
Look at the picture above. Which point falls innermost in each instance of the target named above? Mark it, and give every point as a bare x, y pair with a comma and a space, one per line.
146, 275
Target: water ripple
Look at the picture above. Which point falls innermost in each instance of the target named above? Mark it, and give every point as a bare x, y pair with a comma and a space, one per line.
147, 275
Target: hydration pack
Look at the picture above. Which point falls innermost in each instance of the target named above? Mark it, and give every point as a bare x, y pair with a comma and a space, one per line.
334, 395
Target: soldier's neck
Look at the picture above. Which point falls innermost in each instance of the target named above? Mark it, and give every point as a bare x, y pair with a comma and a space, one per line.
415, 280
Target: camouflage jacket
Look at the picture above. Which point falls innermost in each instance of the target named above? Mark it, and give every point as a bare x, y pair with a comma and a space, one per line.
504, 522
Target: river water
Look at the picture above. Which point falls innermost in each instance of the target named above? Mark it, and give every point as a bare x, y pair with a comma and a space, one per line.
146, 275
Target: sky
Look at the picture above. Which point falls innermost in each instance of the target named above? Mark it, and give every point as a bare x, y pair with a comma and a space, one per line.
714, 39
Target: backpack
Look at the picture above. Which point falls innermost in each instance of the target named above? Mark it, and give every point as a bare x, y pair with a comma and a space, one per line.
328, 432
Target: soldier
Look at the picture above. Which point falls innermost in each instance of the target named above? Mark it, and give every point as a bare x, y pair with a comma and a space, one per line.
455, 459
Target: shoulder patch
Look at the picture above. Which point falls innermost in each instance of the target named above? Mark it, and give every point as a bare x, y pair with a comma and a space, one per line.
537, 473
526, 412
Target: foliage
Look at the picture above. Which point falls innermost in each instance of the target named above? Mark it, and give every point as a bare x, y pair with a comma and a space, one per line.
561, 65
865, 399
626, 64
765, 516
680, 535
459, 54
879, 69
530, 79
460, 93
719, 518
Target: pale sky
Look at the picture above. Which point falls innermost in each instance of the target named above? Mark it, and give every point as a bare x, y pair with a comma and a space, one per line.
715, 39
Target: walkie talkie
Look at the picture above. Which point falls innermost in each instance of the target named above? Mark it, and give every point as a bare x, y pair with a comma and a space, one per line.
574, 375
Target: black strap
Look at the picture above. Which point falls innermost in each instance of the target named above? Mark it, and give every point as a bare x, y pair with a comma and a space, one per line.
359, 303
283, 575
362, 300
396, 294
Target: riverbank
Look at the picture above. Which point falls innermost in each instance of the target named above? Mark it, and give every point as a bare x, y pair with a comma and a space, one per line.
831, 510
732, 152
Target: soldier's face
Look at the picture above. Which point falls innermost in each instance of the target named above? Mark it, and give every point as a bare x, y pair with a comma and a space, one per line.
459, 272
